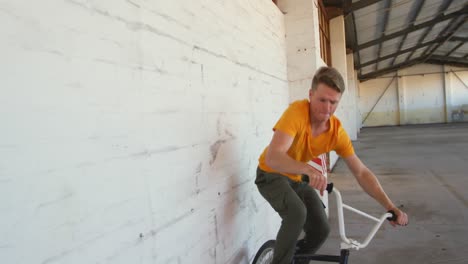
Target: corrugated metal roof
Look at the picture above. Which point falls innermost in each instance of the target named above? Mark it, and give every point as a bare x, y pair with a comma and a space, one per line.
386, 35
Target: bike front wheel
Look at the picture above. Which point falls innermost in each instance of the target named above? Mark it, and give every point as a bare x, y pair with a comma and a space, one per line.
265, 253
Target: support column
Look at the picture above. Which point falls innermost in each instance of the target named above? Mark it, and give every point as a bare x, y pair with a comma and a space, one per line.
358, 113
302, 44
302, 48
353, 100
338, 45
401, 99
345, 111
447, 94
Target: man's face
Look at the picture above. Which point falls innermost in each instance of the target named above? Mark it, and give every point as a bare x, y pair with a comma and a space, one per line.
323, 102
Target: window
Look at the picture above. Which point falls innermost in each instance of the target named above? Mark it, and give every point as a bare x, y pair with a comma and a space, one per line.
324, 32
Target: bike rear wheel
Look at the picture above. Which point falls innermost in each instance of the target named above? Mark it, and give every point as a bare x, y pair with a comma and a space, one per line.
265, 253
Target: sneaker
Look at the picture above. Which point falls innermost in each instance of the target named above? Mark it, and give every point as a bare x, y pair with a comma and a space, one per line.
300, 244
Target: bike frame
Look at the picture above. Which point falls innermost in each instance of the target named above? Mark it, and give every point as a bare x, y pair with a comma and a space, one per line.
347, 243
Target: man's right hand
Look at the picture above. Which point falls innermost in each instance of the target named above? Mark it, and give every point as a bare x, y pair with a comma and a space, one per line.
317, 180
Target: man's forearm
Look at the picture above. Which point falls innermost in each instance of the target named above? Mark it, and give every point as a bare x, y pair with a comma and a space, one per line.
371, 185
281, 162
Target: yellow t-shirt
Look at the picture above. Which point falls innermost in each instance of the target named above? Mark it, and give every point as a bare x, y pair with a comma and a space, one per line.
295, 122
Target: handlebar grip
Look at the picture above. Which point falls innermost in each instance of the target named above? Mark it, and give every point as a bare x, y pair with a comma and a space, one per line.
393, 217
329, 188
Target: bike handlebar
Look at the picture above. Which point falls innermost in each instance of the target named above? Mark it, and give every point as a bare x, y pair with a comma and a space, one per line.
393, 218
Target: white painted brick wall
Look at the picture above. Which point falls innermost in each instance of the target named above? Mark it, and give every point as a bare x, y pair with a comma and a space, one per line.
131, 129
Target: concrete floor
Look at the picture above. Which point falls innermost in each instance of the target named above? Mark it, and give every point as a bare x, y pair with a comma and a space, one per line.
423, 169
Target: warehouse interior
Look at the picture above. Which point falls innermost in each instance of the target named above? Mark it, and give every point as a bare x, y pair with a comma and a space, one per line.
131, 129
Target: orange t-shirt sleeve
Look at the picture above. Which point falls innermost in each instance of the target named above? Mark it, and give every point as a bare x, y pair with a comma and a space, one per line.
289, 122
344, 147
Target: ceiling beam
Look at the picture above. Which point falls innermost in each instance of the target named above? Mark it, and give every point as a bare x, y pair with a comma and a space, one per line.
358, 56
347, 6
396, 54
350, 21
449, 30
456, 38
350, 37
417, 6
349, 27
349, 32
442, 8
436, 59
412, 28
455, 48
383, 27
392, 68
333, 3
453, 59
425, 57
456, 64
361, 4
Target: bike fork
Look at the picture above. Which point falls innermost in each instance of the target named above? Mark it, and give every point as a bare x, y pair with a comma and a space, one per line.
344, 256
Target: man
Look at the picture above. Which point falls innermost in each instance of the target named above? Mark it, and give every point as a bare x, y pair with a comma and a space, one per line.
305, 130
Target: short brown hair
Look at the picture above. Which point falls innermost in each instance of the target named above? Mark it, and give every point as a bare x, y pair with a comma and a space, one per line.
329, 76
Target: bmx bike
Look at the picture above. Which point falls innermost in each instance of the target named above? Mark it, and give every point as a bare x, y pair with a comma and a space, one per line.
265, 253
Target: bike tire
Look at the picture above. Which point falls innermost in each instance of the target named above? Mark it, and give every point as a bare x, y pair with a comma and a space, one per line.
265, 253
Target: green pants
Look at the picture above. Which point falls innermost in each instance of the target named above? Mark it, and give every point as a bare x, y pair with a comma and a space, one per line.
299, 207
